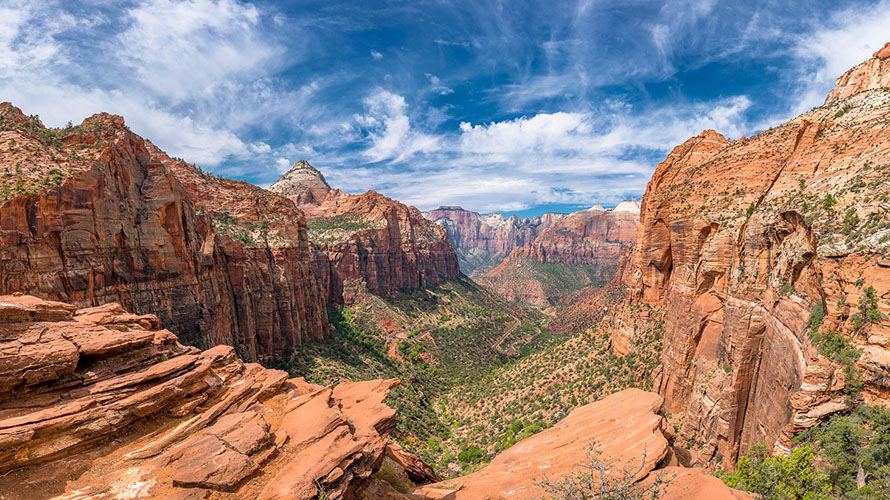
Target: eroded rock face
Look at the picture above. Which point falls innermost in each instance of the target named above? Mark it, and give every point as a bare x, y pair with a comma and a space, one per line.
103, 216
483, 241
368, 242
99, 403
580, 249
739, 242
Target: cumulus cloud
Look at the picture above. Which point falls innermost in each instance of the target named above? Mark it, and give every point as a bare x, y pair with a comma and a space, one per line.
389, 129
376, 55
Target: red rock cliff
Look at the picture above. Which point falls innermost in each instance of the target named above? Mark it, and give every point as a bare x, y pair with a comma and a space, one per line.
367, 242
739, 242
92, 214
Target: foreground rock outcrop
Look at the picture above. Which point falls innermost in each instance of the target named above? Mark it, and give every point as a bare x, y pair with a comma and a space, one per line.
94, 214
753, 250
627, 430
482, 241
579, 250
367, 242
99, 403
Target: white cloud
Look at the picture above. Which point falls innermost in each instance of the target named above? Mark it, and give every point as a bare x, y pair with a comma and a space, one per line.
389, 129
179, 48
835, 45
376, 55
437, 86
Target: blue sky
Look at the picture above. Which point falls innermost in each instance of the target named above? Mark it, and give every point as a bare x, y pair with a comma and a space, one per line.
514, 106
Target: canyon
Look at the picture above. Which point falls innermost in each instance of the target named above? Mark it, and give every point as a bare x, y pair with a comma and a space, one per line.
482, 241
748, 293
102, 403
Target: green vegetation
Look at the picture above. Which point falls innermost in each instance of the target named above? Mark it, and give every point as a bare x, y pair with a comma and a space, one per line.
532, 393
338, 227
779, 478
433, 339
855, 451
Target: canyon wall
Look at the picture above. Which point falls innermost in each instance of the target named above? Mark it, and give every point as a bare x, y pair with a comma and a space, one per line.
743, 245
367, 242
94, 214
483, 241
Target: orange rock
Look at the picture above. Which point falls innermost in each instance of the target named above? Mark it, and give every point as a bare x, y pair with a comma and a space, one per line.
135, 414
592, 239
495, 235
625, 427
108, 217
738, 241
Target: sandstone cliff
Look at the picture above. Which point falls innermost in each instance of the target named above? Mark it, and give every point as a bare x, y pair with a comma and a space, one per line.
367, 242
579, 250
94, 214
102, 404
483, 241
744, 246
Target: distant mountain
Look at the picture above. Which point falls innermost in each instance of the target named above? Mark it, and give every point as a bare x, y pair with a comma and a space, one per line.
579, 250
482, 241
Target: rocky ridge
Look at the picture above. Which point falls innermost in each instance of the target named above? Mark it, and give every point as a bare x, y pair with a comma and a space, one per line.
756, 253
93, 213
579, 250
367, 242
482, 241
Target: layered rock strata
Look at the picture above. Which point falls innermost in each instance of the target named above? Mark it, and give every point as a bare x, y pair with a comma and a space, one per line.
367, 242
744, 244
99, 403
95, 214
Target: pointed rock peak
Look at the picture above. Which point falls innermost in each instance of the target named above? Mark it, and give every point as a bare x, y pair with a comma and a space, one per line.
884, 53
303, 183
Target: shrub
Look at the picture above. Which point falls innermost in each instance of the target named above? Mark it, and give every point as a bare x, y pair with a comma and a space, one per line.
779, 478
471, 455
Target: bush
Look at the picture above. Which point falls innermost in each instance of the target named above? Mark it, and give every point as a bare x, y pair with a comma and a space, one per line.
779, 478
471, 455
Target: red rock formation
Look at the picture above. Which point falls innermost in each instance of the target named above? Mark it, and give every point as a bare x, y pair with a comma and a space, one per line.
483, 241
367, 242
99, 403
739, 241
584, 247
628, 433
98, 215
